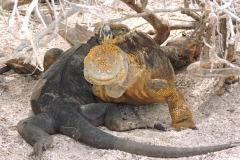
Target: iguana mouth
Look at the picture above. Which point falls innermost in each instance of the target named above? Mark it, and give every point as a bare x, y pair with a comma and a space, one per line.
105, 79
105, 65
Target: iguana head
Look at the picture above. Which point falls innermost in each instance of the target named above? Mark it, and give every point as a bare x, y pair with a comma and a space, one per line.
105, 65
117, 29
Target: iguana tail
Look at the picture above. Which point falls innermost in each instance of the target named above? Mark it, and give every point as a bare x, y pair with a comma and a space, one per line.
97, 138
167, 152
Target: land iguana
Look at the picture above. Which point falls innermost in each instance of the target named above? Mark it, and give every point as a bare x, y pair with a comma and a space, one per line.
62, 102
136, 71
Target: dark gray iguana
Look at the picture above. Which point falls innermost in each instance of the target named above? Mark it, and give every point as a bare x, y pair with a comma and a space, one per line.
62, 102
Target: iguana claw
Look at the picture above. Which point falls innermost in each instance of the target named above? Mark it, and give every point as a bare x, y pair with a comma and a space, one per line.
40, 146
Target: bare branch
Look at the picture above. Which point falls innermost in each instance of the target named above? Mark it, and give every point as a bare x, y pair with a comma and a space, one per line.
223, 72
231, 28
225, 6
39, 15
189, 13
159, 24
50, 9
95, 14
108, 2
14, 12
17, 52
33, 4
145, 13
183, 25
219, 87
223, 34
82, 6
196, 69
36, 55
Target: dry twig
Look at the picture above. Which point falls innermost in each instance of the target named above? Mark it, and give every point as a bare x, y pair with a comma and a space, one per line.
19, 50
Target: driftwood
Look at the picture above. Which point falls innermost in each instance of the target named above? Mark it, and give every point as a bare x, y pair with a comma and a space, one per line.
160, 25
75, 35
205, 69
219, 87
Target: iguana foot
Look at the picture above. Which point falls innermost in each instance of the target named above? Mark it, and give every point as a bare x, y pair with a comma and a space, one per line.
159, 126
184, 124
40, 146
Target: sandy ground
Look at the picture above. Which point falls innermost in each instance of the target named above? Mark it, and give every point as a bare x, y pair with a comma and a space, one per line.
217, 117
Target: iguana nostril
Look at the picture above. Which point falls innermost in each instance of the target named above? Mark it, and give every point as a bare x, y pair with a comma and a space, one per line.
91, 64
115, 63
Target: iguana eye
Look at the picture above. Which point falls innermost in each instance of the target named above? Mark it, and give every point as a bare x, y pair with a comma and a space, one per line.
122, 29
109, 71
98, 71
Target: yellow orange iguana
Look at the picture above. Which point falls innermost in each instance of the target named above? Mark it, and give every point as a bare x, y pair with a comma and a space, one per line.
136, 71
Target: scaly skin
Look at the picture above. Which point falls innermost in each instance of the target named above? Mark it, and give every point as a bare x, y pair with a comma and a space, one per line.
136, 71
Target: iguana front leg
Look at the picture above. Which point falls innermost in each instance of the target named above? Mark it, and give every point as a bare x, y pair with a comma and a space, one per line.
162, 91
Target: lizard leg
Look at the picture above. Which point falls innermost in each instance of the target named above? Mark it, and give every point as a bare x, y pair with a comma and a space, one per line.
180, 112
163, 91
95, 112
36, 131
114, 121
